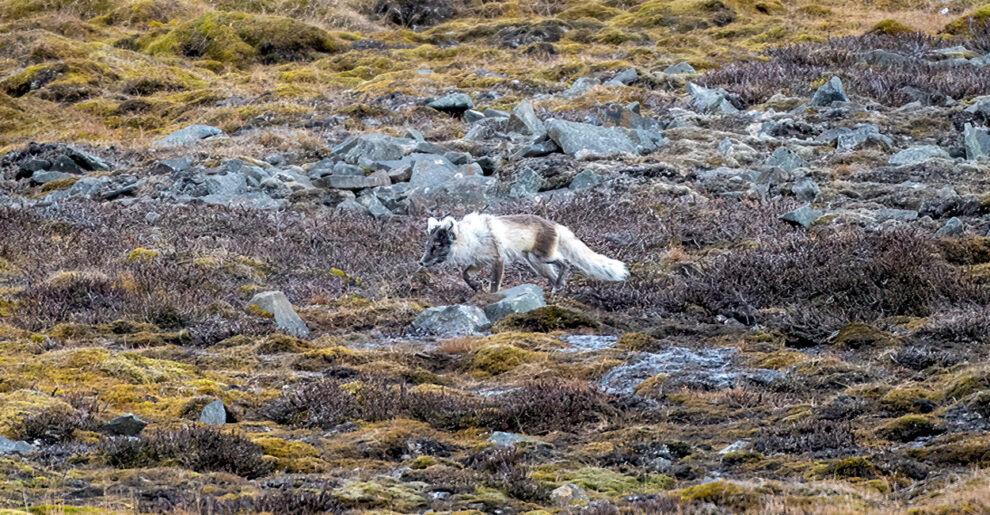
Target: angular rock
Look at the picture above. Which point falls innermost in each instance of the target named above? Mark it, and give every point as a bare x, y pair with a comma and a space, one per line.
471, 116
451, 321
494, 113
34, 164
803, 216
903, 215
65, 164
785, 159
187, 136
276, 304
711, 100
373, 147
454, 103
540, 149
953, 227
579, 86
518, 299
430, 170
8, 446
214, 413
918, 154
374, 206
976, 140
527, 184
524, 121
46, 176
584, 180
586, 140
125, 425
829, 92
567, 495
806, 190
736, 446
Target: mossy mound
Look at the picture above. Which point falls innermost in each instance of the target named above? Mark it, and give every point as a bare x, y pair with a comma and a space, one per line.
909, 400
720, 493
962, 26
500, 358
862, 336
889, 26
909, 427
545, 320
241, 38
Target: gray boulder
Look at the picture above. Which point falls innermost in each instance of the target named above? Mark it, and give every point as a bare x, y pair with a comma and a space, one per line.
354, 182
953, 227
510, 439
524, 121
829, 92
471, 116
429, 170
276, 304
46, 176
803, 216
806, 190
124, 425
580, 86
585, 140
451, 321
527, 184
518, 299
711, 100
214, 413
976, 140
681, 68
454, 103
373, 147
567, 495
918, 154
540, 149
8, 446
188, 136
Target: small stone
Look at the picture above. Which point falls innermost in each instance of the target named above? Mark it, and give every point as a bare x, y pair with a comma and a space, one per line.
276, 304
455, 103
214, 413
903, 215
354, 182
624, 78
976, 140
579, 86
124, 425
527, 184
829, 92
736, 446
803, 216
806, 190
45, 176
151, 217
584, 180
952, 228
711, 100
785, 159
918, 154
509, 439
568, 494
524, 121
471, 116
8, 446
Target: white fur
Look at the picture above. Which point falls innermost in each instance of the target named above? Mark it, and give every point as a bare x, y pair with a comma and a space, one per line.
476, 236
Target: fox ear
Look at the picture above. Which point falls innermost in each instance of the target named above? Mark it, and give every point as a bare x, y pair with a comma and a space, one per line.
432, 224
450, 224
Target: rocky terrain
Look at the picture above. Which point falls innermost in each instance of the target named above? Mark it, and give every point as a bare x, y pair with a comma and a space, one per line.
211, 215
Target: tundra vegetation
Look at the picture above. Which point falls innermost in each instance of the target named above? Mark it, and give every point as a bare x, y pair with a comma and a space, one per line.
805, 217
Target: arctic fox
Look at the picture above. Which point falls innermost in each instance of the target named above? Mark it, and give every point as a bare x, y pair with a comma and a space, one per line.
547, 248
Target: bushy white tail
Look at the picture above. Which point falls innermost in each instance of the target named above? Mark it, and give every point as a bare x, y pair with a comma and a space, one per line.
594, 265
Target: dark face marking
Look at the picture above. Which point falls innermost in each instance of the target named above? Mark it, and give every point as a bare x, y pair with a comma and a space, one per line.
437, 247
546, 233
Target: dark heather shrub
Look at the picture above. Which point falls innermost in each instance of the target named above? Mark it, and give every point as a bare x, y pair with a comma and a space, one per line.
301, 502
542, 406
197, 448
817, 438
56, 424
409, 13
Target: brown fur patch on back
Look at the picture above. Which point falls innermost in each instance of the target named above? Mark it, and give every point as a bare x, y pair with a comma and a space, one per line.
545, 242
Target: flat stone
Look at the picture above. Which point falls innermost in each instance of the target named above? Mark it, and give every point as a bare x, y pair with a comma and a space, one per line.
527, 184
785, 159
354, 182
124, 425
584, 180
518, 299
918, 154
276, 303
455, 103
373, 147
586, 140
45, 176
187, 136
510, 439
624, 78
8, 446
803, 216
471, 116
681, 68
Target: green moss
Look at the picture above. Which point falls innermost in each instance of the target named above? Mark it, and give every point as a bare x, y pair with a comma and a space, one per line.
322, 359
961, 26
908, 400
889, 26
859, 336
720, 493
635, 342
241, 38
614, 483
59, 184
32, 77
909, 427
964, 383
278, 343
854, 467
500, 358
141, 255
593, 10
545, 320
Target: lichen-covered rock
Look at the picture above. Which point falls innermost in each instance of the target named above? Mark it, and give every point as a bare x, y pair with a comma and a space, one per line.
829, 92
454, 103
127, 424
711, 100
451, 320
976, 141
524, 121
518, 299
568, 495
803, 216
188, 136
214, 413
918, 154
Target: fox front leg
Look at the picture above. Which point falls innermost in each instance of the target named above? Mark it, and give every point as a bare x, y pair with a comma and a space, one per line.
498, 270
471, 281
561, 280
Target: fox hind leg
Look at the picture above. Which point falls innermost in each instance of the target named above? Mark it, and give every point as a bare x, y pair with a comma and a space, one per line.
498, 270
562, 271
471, 281
541, 268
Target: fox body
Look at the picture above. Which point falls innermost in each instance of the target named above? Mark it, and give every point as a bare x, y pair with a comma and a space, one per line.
546, 248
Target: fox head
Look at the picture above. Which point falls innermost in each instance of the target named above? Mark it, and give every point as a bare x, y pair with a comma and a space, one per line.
442, 234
